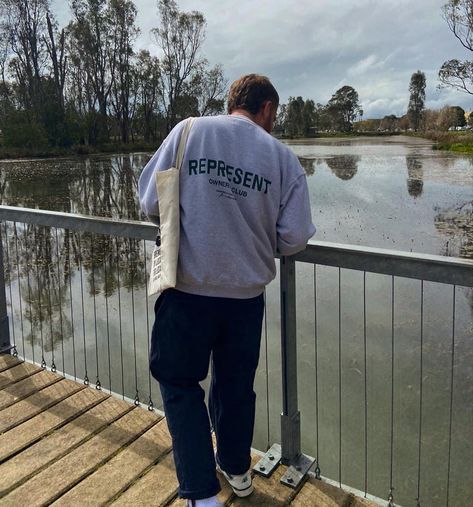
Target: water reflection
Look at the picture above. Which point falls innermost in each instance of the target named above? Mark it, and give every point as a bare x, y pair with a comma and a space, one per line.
415, 174
308, 164
95, 186
457, 225
344, 166
45, 263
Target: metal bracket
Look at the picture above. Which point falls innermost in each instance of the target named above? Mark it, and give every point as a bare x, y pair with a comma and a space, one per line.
269, 462
7, 350
297, 471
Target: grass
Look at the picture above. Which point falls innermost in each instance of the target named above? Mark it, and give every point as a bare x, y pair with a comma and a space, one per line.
19, 153
461, 142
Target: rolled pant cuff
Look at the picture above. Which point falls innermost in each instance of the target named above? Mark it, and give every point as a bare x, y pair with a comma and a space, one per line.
199, 495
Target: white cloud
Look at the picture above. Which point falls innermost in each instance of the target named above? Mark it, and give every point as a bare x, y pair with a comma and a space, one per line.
312, 48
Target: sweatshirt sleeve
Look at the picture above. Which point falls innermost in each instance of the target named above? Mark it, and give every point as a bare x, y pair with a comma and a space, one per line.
163, 159
294, 226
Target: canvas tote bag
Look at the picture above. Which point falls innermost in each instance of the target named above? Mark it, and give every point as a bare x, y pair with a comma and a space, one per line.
166, 250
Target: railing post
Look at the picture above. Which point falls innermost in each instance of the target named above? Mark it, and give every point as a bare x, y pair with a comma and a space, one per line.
291, 455
4, 327
290, 417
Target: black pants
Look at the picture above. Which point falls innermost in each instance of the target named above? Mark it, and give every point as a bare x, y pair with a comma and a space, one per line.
187, 329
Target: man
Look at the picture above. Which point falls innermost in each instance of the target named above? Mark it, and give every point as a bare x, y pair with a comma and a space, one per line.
243, 198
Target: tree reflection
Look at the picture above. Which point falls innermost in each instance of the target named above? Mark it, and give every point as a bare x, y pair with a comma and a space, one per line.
457, 225
415, 175
47, 261
308, 164
344, 166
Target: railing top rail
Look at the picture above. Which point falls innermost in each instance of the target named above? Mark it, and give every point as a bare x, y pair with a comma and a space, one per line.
98, 225
427, 267
434, 268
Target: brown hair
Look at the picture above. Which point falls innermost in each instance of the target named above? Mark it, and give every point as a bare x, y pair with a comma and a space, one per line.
250, 92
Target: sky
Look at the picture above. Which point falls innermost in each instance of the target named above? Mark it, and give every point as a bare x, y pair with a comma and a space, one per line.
314, 47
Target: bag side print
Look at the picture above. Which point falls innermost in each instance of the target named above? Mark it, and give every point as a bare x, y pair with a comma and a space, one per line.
166, 250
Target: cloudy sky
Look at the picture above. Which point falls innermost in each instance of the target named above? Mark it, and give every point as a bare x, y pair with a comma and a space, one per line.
313, 47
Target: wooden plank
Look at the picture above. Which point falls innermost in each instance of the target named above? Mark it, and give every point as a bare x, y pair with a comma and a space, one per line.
268, 491
36, 403
18, 469
310, 495
62, 475
358, 501
16, 373
33, 429
116, 475
224, 495
155, 488
327, 494
27, 387
7, 361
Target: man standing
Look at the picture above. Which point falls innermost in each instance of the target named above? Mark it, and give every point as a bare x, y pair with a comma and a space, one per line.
243, 199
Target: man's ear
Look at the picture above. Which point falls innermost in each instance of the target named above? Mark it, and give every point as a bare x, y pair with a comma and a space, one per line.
267, 107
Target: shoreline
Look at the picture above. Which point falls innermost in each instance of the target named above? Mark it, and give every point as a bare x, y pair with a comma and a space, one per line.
459, 142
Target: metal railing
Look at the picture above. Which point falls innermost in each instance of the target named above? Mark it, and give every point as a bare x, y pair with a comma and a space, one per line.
41, 250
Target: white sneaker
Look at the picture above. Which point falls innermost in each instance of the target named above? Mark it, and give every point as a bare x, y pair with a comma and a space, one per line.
242, 485
213, 501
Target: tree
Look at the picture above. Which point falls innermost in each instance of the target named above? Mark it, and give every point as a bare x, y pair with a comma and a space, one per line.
451, 116
92, 50
416, 100
122, 16
389, 123
147, 76
180, 36
209, 87
455, 73
294, 117
344, 108
308, 117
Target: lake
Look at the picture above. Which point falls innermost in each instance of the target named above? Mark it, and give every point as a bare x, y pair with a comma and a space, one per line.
390, 192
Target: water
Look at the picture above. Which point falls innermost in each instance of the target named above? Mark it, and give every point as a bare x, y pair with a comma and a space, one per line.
394, 193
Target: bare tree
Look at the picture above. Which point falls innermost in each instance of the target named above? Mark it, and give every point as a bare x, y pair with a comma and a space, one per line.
55, 45
23, 25
180, 36
209, 86
455, 73
92, 42
147, 92
122, 14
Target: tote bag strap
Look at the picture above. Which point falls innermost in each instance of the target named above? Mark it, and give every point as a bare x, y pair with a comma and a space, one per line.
182, 144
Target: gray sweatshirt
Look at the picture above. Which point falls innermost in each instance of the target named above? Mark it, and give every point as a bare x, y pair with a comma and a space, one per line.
243, 199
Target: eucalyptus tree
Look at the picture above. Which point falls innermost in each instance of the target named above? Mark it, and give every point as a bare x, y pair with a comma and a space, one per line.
122, 17
180, 36
456, 73
147, 91
294, 116
209, 86
416, 99
23, 28
92, 47
344, 108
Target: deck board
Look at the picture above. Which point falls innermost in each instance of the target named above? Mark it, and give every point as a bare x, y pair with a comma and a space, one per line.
155, 488
36, 403
16, 373
66, 444
26, 387
65, 473
33, 429
51, 448
121, 471
7, 361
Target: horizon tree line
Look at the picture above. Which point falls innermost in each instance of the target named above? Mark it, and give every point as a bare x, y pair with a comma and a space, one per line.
87, 84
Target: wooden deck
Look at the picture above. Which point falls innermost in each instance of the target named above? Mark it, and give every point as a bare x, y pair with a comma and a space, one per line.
65, 444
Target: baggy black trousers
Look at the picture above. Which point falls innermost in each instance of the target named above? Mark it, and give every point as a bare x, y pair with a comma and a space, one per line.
188, 331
